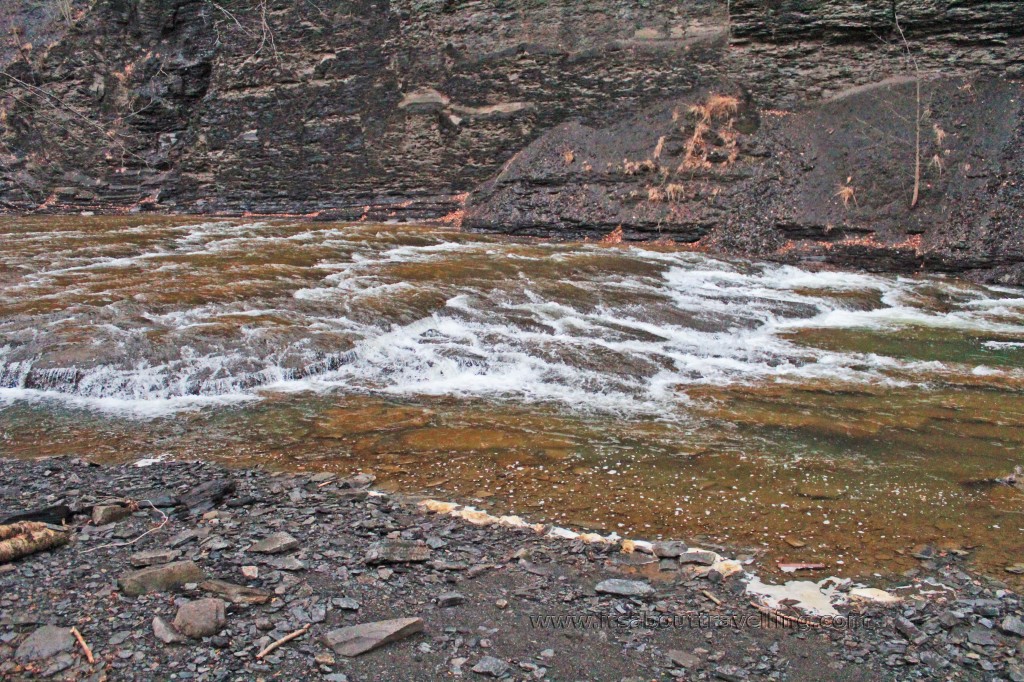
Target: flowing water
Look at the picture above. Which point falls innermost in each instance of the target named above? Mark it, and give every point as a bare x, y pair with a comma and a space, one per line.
644, 390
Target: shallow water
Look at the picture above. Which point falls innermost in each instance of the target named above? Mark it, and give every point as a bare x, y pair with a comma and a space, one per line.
643, 390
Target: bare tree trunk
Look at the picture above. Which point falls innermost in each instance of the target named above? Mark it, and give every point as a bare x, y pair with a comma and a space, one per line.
917, 115
28, 537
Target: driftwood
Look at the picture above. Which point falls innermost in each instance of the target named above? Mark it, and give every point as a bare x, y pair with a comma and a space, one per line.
85, 647
28, 537
58, 514
287, 638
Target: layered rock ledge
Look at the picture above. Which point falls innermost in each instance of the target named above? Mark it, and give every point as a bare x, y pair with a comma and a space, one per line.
399, 110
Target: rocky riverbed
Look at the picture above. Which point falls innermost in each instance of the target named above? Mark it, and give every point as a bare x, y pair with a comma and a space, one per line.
189, 571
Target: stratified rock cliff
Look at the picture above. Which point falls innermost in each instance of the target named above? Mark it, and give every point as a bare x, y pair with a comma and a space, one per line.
547, 113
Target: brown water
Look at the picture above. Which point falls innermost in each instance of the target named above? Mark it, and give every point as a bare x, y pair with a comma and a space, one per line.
639, 390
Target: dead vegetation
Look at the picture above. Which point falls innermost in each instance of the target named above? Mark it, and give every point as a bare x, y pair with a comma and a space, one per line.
66, 10
847, 193
711, 137
710, 140
639, 167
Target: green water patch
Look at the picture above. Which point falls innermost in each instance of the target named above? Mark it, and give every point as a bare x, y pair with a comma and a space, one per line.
919, 343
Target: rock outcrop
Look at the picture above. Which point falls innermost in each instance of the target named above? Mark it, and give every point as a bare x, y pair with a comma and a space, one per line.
399, 109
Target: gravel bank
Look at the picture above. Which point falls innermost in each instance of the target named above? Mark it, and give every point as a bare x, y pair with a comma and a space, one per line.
163, 590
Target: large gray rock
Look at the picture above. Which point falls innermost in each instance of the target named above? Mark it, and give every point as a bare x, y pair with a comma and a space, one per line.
236, 594
153, 557
102, 514
448, 599
358, 639
161, 578
697, 556
624, 588
491, 666
44, 643
275, 543
201, 618
683, 659
1012, 625
392, 551
669, 550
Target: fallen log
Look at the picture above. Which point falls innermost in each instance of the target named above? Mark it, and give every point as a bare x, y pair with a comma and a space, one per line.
18, 540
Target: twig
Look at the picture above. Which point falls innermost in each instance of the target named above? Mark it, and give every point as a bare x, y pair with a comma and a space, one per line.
132, 542
776, 614
712, 597
917, 117
85, 647
287, 638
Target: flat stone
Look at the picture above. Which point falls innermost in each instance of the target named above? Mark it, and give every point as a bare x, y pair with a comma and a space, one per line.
158, 498
160, 578
682, 659
907, 628
392, 551
669, 550
358, 639
450, 599
491, 666
730, 673
153, 557
794, 542
275, 543
201, 618
358, 481
46, 642
698, 556
981, 636
59, 663
182, 538
624, 588
206, 496
165, 632
102, 514
236, 594
251, 572
285, 563
1012, 625
346, 603
353, 495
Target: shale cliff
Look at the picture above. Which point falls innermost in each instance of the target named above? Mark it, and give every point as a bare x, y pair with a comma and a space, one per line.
776, 128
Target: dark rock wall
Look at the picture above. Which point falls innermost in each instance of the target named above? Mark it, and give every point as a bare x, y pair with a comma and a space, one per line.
397, 109
302, 106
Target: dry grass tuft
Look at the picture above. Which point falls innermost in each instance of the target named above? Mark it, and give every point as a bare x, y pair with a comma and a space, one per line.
568, 156
847, 193
674, 192
613, 237
940, 134
697, 147
639, 167
660, 147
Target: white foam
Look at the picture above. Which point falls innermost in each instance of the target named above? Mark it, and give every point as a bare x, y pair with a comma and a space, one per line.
616, 341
